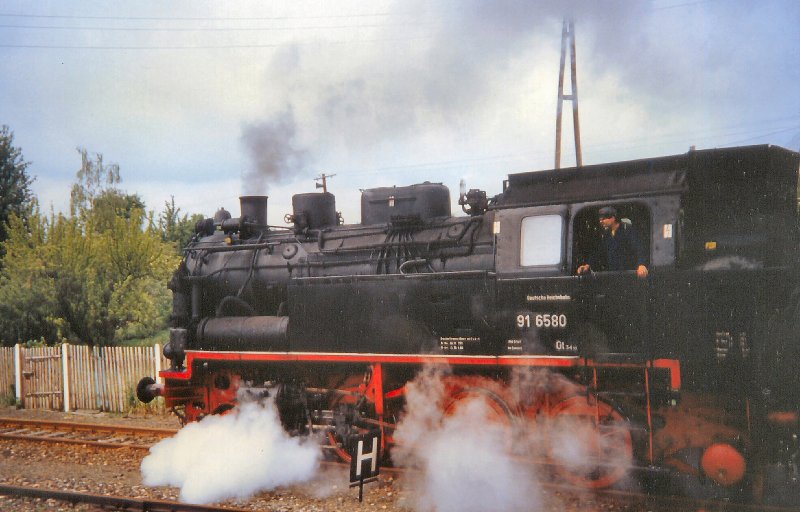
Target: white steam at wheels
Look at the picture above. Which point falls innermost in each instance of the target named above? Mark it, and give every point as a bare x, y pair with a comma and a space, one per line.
474, 444
231, 456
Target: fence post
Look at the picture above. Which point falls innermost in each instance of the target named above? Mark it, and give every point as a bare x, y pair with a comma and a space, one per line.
18, 373
157, 361
65, 374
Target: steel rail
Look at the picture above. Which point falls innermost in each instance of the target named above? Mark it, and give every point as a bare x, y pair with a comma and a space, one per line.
659, 499
45, 431
69, 440
117, 502
92, 427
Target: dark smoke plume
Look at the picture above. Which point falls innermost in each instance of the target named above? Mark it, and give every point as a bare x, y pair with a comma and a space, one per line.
274, 151
426, 81
427, 69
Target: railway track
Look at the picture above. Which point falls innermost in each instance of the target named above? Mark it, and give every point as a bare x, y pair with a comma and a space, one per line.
663, 502
115, 502
87, 434
630, 499
142, 438
637, 500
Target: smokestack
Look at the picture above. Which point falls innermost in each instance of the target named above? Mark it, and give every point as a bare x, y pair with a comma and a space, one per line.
254, 210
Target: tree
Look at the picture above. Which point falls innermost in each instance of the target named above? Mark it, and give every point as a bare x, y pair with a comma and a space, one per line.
174, 228
27, 294
110, 284
94, 179
96, 276
15, 192
95, 194
112, 204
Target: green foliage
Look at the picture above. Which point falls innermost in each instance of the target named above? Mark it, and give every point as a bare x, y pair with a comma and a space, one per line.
94, 179
175, 228
96, 277
15, 192
27, 294
161, 337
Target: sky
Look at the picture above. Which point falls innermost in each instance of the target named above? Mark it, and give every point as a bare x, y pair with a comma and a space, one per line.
207, 101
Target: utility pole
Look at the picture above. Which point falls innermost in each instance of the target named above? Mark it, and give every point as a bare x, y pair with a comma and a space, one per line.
324, 179
568, 32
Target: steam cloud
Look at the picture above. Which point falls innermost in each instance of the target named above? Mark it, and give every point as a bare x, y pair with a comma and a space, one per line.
468, 457
438, 78
231, 456
464, 457
422, 82
424, 72
470, 461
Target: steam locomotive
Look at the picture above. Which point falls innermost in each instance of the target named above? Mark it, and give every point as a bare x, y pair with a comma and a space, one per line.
690, 371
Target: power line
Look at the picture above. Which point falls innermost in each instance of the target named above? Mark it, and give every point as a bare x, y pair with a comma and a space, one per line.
749, 139
685, 4
198, 18
207, 29
209, 47
424, 166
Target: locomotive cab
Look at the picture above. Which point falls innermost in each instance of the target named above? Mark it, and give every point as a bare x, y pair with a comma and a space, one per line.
549, 227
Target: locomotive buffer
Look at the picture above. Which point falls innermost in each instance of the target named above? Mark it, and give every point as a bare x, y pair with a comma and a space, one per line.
364, 466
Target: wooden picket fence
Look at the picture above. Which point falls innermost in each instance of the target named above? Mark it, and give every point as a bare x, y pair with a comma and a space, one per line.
6, 373
69, 377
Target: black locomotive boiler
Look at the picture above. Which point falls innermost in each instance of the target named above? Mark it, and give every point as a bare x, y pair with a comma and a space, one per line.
692, 369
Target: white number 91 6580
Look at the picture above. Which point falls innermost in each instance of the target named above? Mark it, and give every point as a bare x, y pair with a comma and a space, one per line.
542, 320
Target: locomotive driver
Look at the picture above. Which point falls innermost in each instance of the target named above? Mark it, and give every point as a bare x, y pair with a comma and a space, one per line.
621, 246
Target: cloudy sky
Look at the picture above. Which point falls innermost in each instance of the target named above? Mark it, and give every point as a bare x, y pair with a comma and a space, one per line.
207, 101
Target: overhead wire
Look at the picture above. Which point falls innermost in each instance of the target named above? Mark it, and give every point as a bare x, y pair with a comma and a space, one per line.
628, 144
200, 18
373, 22
308, 27
210, 47
207, 29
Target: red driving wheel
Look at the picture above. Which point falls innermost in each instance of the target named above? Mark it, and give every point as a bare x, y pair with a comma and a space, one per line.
599, 434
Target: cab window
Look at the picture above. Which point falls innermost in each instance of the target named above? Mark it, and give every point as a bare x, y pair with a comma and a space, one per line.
541, 240
588, 232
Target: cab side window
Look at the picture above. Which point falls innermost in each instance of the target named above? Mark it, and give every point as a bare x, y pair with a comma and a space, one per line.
587, 231
540, 240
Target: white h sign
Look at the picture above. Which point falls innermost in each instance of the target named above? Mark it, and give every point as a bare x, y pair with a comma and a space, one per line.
361, 456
